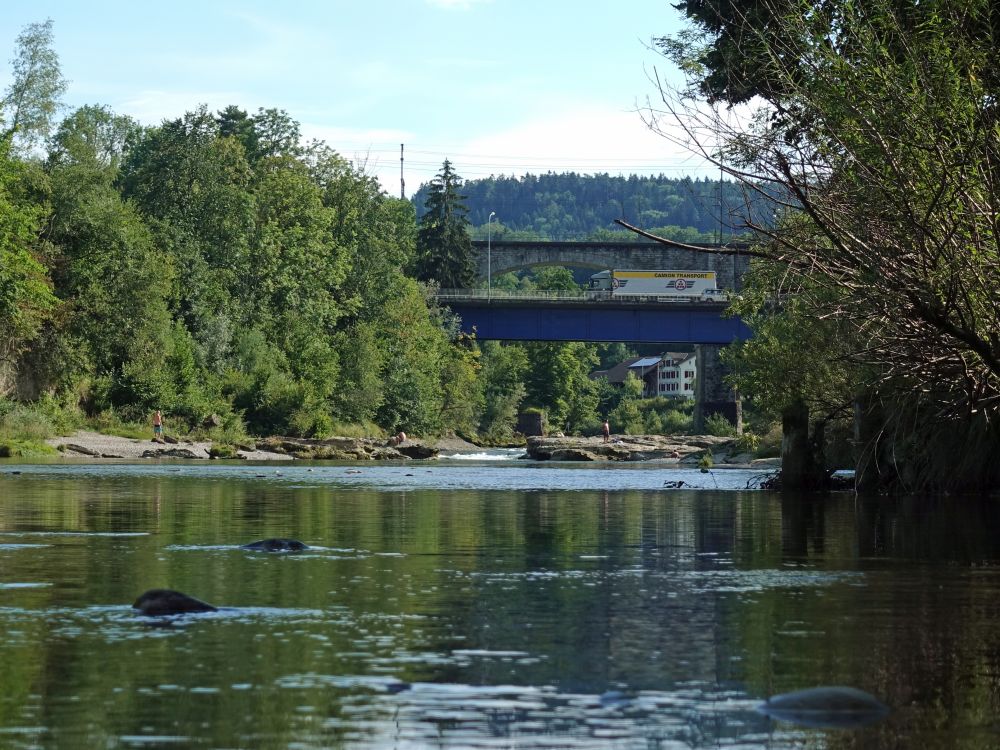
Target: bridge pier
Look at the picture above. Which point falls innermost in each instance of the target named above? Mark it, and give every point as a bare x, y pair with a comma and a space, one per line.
712, 394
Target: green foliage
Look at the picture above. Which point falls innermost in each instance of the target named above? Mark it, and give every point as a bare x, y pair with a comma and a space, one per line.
444, 250
14, 448
570, 206
878, 121
26, 300
223, 451
555, 278
502, 373
719, 426
748, 442
626, 418
216, 265
558, 379
32, 98
707, 461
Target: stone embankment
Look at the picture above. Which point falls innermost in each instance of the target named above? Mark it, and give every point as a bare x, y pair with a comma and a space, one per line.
96, 445
686, 450
347, 449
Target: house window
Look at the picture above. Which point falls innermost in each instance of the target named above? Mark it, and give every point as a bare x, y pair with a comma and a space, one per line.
689, 373
687, 386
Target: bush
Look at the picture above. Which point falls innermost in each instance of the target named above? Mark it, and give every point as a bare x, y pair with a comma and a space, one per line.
719, 426
676, 423
222, 450
11, 448
24, 422
110, 422
769, 445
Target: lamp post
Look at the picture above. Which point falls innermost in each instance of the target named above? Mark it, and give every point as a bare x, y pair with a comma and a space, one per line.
489, 264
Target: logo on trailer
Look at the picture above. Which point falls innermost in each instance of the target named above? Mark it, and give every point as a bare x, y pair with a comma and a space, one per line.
615, 283
680, 285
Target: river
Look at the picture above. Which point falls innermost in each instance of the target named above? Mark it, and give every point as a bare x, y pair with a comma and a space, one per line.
485, 604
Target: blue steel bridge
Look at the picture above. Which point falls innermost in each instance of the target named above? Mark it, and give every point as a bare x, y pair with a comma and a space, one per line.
591, 317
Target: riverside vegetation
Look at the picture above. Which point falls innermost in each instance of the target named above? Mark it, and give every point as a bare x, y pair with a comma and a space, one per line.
246, 283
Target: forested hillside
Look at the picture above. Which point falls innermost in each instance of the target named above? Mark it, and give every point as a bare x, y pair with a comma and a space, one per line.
572, 206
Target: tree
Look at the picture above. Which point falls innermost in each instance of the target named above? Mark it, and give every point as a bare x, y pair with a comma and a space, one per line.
502, 376
107, 268
556, 279
877, 129
558, 381
32, 98
26, 298
444, 250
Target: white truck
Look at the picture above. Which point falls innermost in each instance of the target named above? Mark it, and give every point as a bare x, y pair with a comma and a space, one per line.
699, 285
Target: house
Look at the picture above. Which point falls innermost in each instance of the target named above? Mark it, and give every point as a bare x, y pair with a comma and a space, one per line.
669, 374
676, 374
615, 375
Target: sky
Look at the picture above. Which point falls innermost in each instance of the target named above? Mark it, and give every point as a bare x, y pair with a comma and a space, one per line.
496, 86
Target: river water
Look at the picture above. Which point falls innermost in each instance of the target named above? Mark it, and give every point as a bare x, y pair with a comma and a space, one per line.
485, 604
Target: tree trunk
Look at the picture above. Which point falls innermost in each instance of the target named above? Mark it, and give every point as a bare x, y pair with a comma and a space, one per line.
799, 468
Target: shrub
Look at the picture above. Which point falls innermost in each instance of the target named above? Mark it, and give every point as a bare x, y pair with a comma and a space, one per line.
769, 445
719, 426
676, 423
747, 442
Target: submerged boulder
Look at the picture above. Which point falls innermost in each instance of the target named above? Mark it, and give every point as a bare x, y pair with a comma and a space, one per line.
169, 602
834, 707
276, 545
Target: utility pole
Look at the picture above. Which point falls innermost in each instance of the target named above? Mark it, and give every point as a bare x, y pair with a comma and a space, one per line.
402, 182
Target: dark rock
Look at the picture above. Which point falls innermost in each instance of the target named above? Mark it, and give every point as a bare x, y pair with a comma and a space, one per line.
276, 545
170, 453
572, 454
826, 708
170, 439
417, 450
81, 449
212, 420
168, 602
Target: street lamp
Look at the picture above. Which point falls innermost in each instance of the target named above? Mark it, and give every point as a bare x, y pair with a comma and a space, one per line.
489, 264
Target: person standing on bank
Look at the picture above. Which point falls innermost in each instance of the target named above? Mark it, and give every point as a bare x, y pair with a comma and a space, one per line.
157, 425
607, 430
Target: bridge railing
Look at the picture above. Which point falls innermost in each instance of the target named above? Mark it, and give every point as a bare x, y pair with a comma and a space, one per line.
540, 294
587, 295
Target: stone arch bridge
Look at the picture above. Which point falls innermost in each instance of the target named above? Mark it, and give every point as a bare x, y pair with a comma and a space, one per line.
729, 262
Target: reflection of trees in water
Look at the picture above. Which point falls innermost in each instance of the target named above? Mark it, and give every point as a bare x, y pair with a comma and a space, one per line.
599, 591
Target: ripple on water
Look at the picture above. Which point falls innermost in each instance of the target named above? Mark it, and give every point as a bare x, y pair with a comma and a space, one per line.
461, 715
25, 585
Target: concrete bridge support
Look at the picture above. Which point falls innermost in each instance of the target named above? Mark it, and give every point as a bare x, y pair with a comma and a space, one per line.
712, 394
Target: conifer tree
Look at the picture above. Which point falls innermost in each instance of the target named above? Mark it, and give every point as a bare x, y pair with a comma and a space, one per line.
444, 249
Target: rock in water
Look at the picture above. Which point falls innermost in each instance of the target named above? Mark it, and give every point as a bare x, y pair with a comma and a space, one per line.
276, 545
826, 708
169, 602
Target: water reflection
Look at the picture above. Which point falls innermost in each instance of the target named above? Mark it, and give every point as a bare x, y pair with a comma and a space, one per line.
485, 617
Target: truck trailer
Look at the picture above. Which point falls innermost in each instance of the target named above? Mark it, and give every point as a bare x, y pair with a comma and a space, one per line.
686, 284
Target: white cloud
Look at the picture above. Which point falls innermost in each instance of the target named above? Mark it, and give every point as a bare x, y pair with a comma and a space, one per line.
585, 140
